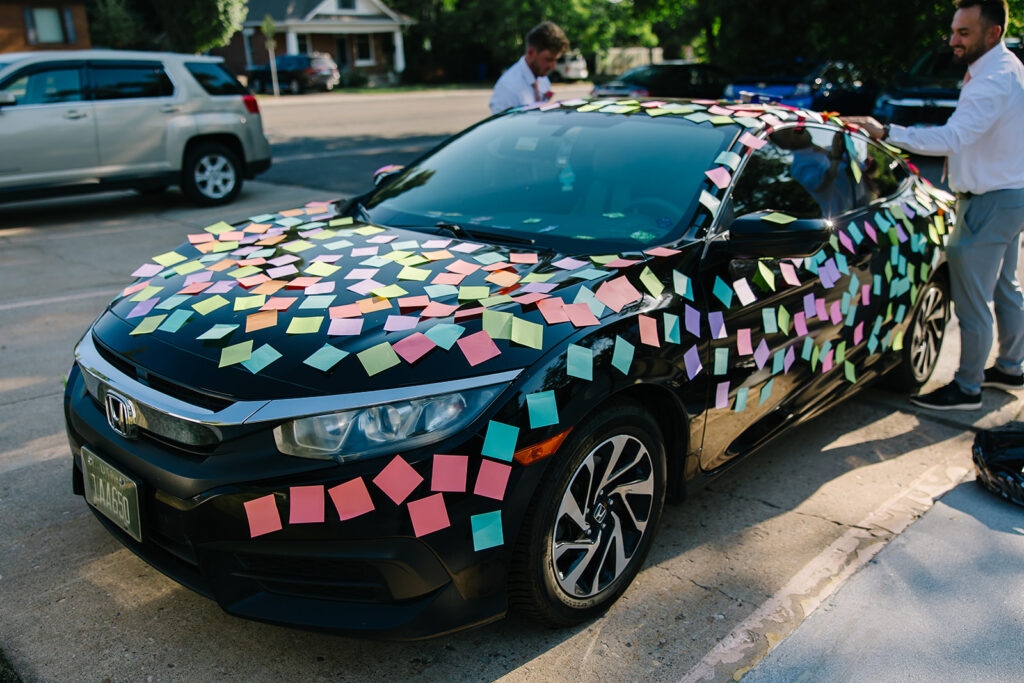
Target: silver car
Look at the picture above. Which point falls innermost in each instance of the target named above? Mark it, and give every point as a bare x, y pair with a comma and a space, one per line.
94, 120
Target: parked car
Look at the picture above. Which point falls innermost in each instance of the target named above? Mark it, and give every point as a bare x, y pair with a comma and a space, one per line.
473, 387
818, 85
927, 93
570, 66
667, 79
94, 120
297, 73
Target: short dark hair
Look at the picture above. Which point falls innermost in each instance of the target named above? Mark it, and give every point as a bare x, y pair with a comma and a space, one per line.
547, 36
994, 12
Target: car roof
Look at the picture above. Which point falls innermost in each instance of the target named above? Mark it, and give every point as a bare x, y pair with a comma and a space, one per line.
101, 54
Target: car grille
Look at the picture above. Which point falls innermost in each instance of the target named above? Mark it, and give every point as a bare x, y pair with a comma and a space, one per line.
325, 578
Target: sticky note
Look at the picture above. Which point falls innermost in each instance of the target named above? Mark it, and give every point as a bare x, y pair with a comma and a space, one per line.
741, 399
527, 333
761, 354
743, 291
616, 294
397, 480
766, 391
648, 330
670, 323
261, 358
721, 361
209, 305
542, 409
744, 345
722, 291
413, 347
169, 258
262, 515
428, 515
722, 395
651, 282
716, 321
769, 320
487, 531
682, 285
148, 325
305, 325
218, 332
305, 504
351, 499
719, 176
445, 334
579, 362
236, 353
492, 479
478, 347
175, 321
778, 218
325, 358
378, 358
448, 473
500, 440
497, 324
622, 356
692, 360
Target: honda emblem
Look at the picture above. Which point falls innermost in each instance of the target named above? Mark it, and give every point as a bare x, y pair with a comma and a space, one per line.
121, 415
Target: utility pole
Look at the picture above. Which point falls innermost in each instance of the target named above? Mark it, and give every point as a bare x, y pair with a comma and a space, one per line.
268, 40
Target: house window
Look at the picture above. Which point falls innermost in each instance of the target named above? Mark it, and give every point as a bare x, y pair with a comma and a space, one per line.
49, 25
344, 5
364, 50
303, 43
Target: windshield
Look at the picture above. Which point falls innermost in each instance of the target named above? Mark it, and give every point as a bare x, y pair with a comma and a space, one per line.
572, 181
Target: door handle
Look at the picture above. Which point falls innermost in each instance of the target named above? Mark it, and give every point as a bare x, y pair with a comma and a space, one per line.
74, 114
169, 108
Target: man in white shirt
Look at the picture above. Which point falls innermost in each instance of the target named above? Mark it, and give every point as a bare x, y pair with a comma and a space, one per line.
526, 81
984, 140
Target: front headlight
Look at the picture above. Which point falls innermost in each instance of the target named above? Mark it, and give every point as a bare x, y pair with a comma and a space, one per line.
385, 428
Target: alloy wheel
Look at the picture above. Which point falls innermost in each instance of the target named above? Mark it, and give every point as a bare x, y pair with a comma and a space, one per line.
215, 176
926, 332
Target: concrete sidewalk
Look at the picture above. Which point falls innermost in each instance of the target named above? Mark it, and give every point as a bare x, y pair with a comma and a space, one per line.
944, 601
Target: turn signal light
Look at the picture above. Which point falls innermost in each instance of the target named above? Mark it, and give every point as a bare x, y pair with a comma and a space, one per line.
539, 451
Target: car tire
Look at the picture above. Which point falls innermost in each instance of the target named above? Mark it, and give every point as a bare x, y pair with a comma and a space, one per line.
582, 543
211, 174
923, 339
294, 87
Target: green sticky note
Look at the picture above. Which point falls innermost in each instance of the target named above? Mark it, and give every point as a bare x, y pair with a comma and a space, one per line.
169, 258
236, 353
218, 228
527, 333
297, 246
325, 358
445, 334
378, 358
851, 375
841, 352
245, 271
347, 220
145, 293
651, 282
537, 277
321, 269
777, 218
500, 440
497, 325
175, 321
414, 260
244, 303
148, 324
622, 356
396, 255
218, 247
469, 293
495, 300
765, 276
367, 230
487, 531
261, 358
411, 273
542, 409
209, 305
309, 325
784, 319
389, 292
218, 332
579, 362
189, 267
318, 301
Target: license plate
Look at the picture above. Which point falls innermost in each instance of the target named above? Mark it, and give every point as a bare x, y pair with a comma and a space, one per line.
112, 492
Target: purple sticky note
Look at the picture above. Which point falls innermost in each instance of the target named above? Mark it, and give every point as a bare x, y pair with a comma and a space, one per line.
909, 212
828, 280
361, 273
282, 271
345, 327
761, 355
809, 310
901, 234
221, 287
790, 357
147, 270
143, 307
692, 360
320, 288
397, 323
327, 258
466, 247
201, 276
283, 260
716, 321
692, 320
436, 244
722, 395
365, 287
365, 251
539, 287
569, 263
800, 323
743, 344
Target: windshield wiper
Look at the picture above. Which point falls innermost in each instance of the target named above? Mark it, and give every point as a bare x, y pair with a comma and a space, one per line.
456, 230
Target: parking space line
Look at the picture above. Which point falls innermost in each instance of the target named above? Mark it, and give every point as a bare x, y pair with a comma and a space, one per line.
28, 303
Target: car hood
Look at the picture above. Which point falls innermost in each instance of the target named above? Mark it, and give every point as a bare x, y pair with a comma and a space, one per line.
181, 358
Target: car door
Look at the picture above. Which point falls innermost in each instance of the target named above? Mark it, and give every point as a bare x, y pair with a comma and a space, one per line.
135, 104
49, 135
786, 324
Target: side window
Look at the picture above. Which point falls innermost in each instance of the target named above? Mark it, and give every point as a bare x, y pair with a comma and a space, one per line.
47, 86
119, 82
802, 171
879, 174
214, 79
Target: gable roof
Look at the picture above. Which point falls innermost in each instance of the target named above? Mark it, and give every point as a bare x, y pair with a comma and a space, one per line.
285, 12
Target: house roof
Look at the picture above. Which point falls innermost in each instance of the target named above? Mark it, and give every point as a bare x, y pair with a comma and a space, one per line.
285, 12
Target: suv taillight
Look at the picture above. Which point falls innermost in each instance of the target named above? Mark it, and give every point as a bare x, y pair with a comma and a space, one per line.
311, 70
250, 104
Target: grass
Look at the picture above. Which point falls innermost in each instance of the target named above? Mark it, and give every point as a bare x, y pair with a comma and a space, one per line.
7, 673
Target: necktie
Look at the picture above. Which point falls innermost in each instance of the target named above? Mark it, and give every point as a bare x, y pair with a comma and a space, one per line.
536, 92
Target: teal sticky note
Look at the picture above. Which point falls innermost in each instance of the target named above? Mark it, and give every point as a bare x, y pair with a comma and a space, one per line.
261, 358
325, 358
778, 362
854, 232
876, 289
585, 296
670, 322
438, 292
872, 344
588, 273
579, 362
769, 320
622, 356
500, 441
682, 285
844, 307
901, 313
851, 316
721, 360
766, 391
218, 332
805, 353
542, 409
171, 302
741, 399
175, 320
445, 334
487, 532
842, 264
722, 291
318, 301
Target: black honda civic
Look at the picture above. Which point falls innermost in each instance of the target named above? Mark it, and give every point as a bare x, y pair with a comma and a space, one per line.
472, 388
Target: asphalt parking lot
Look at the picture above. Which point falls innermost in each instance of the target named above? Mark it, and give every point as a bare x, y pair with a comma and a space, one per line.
748, 555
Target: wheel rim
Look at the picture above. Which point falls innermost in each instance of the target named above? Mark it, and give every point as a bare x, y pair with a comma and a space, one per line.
926, 333
602, 517
215, 176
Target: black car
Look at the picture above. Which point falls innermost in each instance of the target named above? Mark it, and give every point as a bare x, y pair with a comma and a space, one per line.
473, 387
821, 85
297, 74
696, 80
928, 92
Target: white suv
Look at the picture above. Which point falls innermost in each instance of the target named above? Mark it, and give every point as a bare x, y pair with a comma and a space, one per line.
93, 120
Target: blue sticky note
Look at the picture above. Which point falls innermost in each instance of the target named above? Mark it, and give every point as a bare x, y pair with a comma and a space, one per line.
901, 312
169, 303
854, 232
445, 334
721, 361
723, 291
585, 296
318, 301
769, 319
500, 441
778, 362
438, 292
805, 353
542, 408
261, 358
487, 532
741, 399
175, 320
876, 289
872, 344
325, 358
842, 264
622, 356
579, 362
682, 285
766, 391
670, 322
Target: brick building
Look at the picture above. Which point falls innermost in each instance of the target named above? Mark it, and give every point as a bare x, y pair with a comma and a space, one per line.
41, 25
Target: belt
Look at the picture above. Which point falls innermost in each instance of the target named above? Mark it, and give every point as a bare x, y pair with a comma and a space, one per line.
965, 195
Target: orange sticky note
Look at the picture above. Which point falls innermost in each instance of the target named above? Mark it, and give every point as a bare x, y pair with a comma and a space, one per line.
503, 278
222, 265
373, 304
260, 320
268, 287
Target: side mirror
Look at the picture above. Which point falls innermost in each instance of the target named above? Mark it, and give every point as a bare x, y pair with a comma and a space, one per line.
752, 236
383, 173
7, 99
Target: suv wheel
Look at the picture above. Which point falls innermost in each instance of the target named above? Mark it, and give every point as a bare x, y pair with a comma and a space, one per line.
923, 338
294, 87
593, 520
211, 174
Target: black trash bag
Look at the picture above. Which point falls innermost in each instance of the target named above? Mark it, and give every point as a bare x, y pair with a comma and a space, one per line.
998, 456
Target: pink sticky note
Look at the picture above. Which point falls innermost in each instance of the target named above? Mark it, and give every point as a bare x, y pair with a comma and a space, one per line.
436, 244
553, 310
346, 311
858, 333
397, 323
282, 271
397, 480
345, 327
492, 479
648, 330
719, 176
743, 344
826, 363
789, 273
435, 309
364, 251
361, 274
351, 499
751, 141
428, 515
200, 238
800, 323
865, 294
621, 263
278, 303
408, 303
522, 258
836, 313
448, 279
413, 347
722, 395
742, 289
449, 473
364, 287
569, 263
821, 309
845, 240
467, 247
194, 287
463, 267
478, 347
306, 504
321, 288
617, 293
529, 298
263, 516
580, 315
661, 251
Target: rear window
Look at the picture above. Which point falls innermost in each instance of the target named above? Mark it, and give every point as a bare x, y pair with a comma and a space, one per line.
130, 81
214, 79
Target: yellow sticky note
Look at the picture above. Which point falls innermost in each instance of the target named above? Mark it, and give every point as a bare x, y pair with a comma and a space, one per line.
410, 273
236, 353
190, 267
148, 324
244, 303
145, 293
651, 282
321, 269
245, 271
310, 325
209, 305
218, 228
366, 230
389, 292
297, 246
169, 258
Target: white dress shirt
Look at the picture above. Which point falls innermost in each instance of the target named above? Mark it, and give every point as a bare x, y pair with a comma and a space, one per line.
515, 87
984, 138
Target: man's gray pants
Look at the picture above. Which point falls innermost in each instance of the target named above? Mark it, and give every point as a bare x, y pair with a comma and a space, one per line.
983, 253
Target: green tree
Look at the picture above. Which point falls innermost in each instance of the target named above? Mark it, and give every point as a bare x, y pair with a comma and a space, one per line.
182, 26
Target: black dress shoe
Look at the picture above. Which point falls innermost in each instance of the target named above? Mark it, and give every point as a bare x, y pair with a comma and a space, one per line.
949, 397
994, 377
